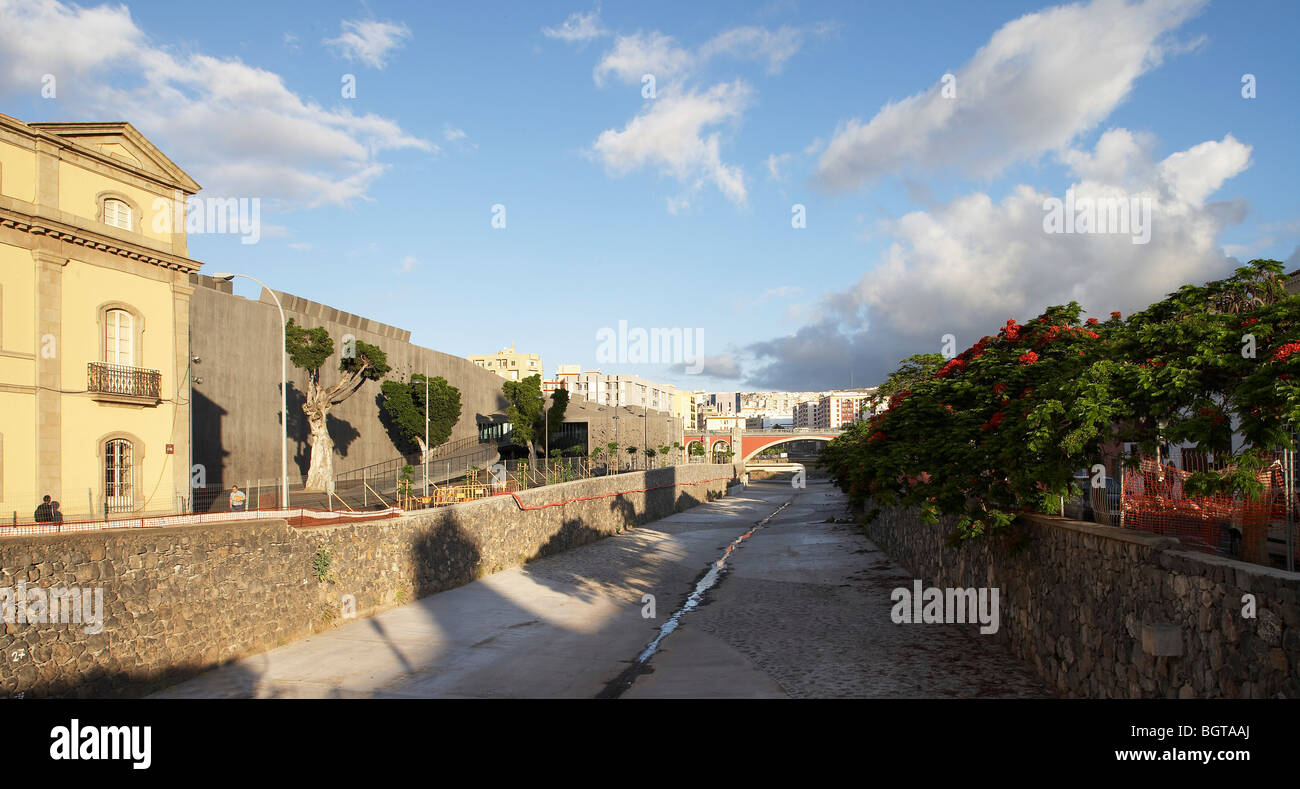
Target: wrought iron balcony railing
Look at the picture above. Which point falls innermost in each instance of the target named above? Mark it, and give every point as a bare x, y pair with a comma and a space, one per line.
120, 382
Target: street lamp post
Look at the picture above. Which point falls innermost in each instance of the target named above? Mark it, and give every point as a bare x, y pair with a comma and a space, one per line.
284, 386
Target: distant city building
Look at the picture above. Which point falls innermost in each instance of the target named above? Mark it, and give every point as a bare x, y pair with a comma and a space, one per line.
803, 414
726, 424
566, 377
617, 390
684, 408
509, 363
837, 409
724, 403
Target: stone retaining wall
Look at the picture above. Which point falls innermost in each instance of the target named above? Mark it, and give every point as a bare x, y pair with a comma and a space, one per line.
1104, 612
181, 600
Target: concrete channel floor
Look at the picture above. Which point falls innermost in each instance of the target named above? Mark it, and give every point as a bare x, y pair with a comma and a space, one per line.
802, 611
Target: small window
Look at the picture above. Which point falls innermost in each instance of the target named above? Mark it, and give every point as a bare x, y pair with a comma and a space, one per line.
118, 462
117, 214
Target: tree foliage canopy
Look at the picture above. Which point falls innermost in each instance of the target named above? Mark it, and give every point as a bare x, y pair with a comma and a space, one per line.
404, 405
1006, 424
524, 409
309, 349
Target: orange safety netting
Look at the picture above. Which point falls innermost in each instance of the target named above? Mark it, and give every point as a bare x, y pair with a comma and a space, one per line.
1153, 500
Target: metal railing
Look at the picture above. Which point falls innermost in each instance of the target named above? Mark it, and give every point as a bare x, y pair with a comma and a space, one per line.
119, 379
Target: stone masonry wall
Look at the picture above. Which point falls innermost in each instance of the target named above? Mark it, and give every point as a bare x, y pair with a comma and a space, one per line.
181, 600
1097, 609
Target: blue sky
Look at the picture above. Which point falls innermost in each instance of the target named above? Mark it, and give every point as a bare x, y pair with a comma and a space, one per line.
923, 211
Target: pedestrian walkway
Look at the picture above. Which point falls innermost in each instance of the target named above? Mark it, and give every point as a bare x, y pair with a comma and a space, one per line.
802, 610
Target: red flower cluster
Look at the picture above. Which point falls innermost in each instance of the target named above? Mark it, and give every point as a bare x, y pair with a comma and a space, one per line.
999, 388
950, 367
993, 422
947, 408
1092, 321
876, 436
1248, 322
1012, 330
1283, 353
1028, 358
1115, 315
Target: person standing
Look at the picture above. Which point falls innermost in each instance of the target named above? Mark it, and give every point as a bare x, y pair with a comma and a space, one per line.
237, 499
44, 511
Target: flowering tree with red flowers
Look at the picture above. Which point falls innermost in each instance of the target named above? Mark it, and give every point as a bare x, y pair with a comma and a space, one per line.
1005, 425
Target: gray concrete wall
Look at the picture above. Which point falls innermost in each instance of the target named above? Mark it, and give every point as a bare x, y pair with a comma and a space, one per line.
180, 600
236, 408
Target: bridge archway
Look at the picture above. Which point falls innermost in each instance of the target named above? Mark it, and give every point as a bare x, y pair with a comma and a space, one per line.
784, 440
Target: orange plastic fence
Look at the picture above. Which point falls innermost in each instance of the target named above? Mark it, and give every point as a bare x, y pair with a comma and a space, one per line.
1154, 501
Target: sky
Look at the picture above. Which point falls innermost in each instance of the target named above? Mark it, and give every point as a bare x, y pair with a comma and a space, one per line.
813, 190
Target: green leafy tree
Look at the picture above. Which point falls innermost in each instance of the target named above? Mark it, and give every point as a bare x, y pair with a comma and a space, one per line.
613, 453
1003, 427
524, 409
404, 405
663, 452
911, 371
309, 349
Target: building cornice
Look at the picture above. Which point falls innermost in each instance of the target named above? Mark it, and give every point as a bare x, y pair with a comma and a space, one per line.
62, 231
171, 177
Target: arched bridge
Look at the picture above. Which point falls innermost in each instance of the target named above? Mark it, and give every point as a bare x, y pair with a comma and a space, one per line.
753, 441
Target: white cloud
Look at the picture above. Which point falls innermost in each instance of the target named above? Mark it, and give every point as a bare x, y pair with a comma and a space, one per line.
578, 27
291, 42
650, 53
758, 43
774, 164
670, 135
408, 264
968, 265
1039, 82
238, 129
369, 41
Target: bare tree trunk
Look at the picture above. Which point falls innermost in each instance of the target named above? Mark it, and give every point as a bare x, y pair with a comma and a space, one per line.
319, 401
320, 476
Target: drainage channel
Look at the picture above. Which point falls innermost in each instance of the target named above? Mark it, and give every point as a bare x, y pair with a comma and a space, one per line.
706, 582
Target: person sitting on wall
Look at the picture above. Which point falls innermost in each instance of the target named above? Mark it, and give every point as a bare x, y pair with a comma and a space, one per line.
56, 514
237, 499
44, 511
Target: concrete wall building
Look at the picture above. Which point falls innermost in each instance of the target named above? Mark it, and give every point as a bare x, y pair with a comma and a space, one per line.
802, 414
509, 363
94, 321
236, 391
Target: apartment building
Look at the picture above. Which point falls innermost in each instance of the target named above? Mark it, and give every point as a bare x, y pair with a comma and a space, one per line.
94, 321
509, 363
622, 390
838, 409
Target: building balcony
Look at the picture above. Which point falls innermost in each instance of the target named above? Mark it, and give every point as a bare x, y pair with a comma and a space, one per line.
118, 383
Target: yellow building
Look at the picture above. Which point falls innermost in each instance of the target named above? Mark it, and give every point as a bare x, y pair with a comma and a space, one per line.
94, 322
509, 363
685, 405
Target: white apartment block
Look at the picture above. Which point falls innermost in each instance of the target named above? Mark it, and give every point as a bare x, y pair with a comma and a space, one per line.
618, 390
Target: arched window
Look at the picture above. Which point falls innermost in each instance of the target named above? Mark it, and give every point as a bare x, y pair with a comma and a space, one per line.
119, 337
119, 473
117, 213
